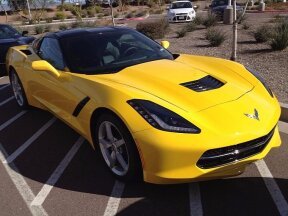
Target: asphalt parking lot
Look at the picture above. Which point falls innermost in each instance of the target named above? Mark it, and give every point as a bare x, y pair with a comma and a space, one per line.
48, 169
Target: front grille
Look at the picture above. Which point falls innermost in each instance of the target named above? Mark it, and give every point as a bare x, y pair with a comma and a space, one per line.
181, 14
220, 156
204, 84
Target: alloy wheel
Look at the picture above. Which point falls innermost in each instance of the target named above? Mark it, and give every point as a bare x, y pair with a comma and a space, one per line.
17, 89
113, 148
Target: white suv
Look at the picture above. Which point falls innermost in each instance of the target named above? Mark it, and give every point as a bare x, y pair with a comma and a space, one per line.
181, 11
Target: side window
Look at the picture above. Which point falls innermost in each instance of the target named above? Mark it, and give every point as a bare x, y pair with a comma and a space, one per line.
51, 52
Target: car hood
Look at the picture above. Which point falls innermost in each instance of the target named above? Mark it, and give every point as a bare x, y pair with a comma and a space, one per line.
163, 79
181, 10
17, 40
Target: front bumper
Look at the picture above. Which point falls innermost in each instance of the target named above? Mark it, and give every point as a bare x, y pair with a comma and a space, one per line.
172, 159
181, 17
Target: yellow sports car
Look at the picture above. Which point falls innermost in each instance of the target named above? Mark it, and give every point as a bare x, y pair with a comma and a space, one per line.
166, 118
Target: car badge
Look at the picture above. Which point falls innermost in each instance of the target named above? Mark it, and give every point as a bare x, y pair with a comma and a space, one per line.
255, 115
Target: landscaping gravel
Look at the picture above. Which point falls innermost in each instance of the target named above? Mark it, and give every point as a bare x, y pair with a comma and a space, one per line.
271, 65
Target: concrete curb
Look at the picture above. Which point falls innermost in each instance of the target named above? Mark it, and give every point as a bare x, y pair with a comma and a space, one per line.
267, 11
284, 112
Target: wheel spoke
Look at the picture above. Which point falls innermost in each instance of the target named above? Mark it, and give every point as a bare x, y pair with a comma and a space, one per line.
109, 131
121, 161
119, 143
105, 143
112, 159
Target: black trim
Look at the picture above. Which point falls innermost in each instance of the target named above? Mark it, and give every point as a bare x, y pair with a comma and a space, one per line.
80, 106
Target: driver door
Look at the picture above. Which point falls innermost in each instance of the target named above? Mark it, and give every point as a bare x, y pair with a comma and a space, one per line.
57, 94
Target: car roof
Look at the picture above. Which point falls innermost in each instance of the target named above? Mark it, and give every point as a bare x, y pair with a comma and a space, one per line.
84, 31
179, 1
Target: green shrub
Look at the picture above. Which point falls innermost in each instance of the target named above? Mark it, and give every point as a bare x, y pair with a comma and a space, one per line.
151, 4
191, 27
215, 36
49, 20
77, 25
198, 20
129, 15
60, 16
141, 14
210, 20
106, 13
98, 9
84, 13
182, 32
100, 16
91, 12
263, 34
154, 30
245, 26
279, 40
47, 28
66, 7
63, 27
39, 29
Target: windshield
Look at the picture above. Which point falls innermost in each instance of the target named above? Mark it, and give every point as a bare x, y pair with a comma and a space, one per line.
109, 52
178, 5
7, 32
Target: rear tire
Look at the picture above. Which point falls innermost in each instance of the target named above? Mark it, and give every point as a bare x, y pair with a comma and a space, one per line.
18, 90
117, 148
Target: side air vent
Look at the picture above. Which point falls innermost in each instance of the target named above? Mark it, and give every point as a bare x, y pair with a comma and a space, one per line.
204, 84
26, 52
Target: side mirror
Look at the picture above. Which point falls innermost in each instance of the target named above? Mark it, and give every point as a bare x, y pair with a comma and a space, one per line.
168, 7
195, 7
24, 33
165, 44
42, 65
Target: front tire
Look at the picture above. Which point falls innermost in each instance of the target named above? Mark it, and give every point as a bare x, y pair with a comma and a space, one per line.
18, 90
117, 148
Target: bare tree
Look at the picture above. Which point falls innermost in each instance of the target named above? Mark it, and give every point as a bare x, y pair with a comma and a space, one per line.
235, 23
4, 9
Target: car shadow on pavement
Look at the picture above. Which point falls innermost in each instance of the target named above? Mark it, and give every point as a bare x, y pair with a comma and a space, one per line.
88, 174
237, 196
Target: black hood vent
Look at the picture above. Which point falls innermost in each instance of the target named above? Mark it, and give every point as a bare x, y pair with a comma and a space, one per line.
204, 84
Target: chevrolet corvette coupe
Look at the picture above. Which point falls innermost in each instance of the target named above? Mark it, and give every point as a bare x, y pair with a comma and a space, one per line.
152, 115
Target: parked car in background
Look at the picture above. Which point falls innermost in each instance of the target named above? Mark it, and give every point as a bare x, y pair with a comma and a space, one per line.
181, 11
10, 37
218, 6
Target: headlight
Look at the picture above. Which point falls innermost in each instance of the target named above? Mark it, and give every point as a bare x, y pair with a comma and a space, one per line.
172, 13
191, 12
261, 80
162, 118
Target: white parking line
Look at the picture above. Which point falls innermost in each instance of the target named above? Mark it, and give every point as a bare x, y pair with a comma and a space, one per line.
15, 154
195, 200
21, 185
115, 198
273, 188
41, 196
10, 121
6, 101
5, 86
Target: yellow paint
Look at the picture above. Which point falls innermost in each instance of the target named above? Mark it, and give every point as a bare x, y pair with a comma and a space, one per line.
166, 157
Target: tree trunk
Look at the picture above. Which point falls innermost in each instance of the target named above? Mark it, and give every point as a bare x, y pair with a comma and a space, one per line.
234, 45
6, 15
